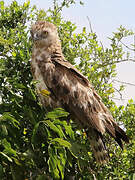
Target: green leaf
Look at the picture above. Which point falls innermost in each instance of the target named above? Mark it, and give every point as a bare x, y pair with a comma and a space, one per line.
62, 142
4, 131
134, 176
57, 113
53, 162
7, 117
32, 94
62, 162
17, 161
34, 132
13, 54
54, 128
8, 149
2, 5
69, 131
68, 128
26, 4
7, 157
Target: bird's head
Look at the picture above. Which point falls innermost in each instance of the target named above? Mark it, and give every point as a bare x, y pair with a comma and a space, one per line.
44, 33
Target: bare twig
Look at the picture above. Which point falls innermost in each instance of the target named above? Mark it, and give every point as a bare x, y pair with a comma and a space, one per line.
102, 46
92, 172
115, 62
119, 93
127, 46
119, 99
90, 24
130, 84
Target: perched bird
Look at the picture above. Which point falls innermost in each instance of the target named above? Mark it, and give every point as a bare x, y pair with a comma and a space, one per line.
70, 90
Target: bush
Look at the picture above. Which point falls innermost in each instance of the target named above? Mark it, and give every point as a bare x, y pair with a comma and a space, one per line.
35, 143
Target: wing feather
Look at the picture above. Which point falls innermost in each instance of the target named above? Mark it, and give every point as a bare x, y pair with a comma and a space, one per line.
83, 101
77, 95
66, 64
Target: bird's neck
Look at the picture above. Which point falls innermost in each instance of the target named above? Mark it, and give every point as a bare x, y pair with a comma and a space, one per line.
53, 51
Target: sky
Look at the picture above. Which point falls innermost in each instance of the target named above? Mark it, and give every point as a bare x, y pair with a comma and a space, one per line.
105, 16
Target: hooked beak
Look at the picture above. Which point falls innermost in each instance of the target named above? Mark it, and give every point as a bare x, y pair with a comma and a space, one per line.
35, 36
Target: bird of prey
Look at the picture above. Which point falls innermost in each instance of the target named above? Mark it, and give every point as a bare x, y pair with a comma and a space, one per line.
70, 90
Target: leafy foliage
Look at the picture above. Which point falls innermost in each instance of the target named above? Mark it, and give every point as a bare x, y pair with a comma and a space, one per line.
35, 143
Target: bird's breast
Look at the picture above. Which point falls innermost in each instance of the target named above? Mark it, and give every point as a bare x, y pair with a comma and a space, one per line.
42, 70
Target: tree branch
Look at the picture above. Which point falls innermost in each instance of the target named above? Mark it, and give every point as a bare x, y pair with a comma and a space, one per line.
90, 24
126, 46
115, 62
130, 84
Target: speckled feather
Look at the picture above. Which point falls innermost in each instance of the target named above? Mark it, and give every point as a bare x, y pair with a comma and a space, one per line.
70, 89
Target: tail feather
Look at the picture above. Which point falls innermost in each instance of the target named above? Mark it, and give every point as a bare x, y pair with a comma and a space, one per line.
112, 128
98, 147
117, 133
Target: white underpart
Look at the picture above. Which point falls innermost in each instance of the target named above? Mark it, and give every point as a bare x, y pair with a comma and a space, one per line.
40, 85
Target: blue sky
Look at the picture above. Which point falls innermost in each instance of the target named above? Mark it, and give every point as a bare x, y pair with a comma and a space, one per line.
105, 16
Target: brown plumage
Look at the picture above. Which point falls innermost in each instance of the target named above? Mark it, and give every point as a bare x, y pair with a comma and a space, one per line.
70, 89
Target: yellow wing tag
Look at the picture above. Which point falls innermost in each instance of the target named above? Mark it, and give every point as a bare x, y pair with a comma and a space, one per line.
45, 92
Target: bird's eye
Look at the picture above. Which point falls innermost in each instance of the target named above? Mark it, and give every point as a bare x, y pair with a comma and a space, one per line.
45, 32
